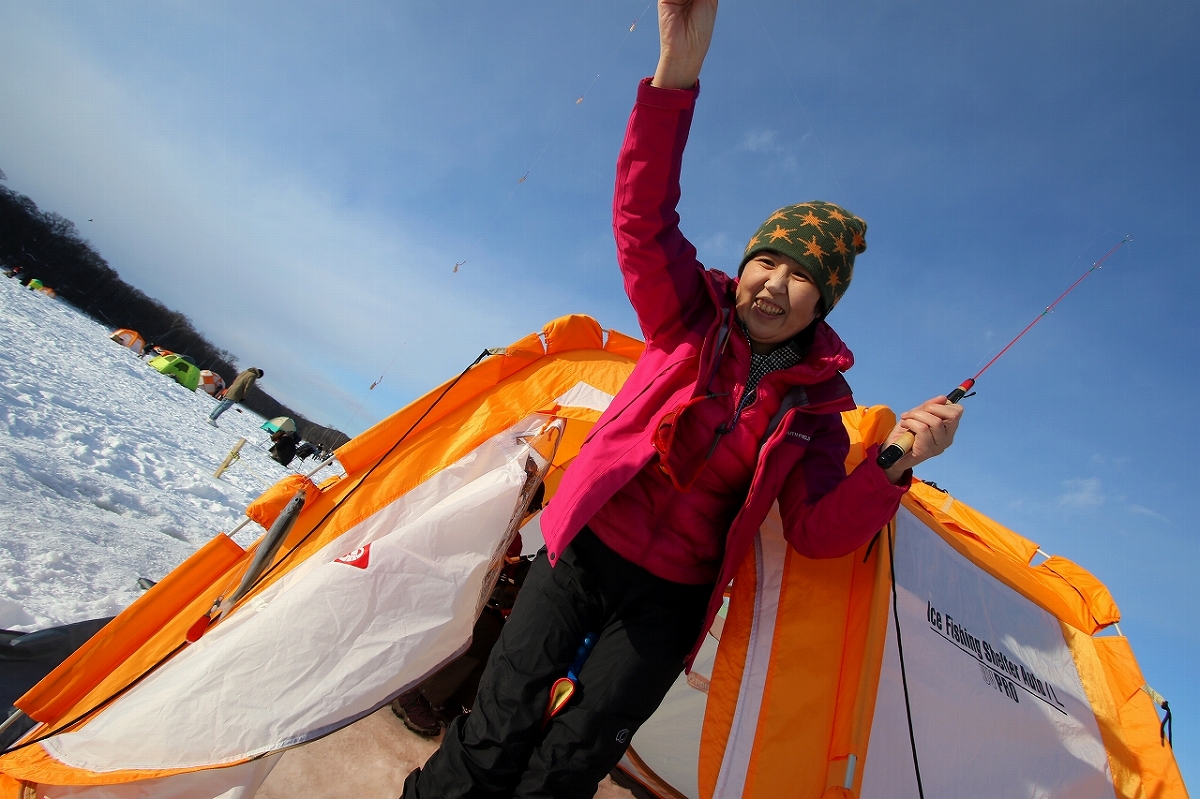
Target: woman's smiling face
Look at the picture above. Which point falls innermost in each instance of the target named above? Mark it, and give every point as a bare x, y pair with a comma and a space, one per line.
776, 299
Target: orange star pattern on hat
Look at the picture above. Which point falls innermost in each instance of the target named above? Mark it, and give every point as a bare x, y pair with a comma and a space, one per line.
780, 232
812, 219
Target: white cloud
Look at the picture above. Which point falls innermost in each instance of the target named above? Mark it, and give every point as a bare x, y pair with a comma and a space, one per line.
1083, 492
1143, 511
768, 143
717, 244
761, 141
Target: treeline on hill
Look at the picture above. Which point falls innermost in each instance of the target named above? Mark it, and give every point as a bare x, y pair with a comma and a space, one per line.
47, 246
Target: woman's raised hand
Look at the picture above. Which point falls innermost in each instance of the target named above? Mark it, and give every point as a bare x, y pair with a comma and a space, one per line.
933, 425
685, 29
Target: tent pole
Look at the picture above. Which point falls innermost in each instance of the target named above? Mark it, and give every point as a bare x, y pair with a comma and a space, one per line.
322, 465
246, 520
11, 720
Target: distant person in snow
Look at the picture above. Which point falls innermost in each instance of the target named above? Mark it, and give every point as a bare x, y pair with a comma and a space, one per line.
735, 405
147, 350
236, 392
305, 451
284, 449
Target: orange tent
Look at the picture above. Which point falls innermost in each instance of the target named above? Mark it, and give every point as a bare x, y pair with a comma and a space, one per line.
940, 647
129, 338
211, 382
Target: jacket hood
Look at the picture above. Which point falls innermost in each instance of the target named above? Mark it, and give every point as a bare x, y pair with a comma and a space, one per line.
828, 354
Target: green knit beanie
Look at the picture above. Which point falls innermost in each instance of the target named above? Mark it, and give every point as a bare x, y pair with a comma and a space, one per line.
821, 236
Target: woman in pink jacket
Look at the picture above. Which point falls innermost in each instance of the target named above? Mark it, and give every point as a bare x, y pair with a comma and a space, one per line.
734, 406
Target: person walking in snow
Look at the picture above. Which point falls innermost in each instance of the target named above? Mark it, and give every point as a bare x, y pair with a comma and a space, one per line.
236, 392
734, 405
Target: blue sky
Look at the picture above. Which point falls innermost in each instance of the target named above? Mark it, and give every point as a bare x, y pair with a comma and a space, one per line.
300, 179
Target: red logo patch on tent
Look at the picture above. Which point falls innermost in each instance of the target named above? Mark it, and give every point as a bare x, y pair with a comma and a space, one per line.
358, 558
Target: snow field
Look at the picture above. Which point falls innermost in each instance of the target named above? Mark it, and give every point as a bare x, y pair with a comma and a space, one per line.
105, 467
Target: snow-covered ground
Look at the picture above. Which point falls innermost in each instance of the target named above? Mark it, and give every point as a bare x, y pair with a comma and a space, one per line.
105, 467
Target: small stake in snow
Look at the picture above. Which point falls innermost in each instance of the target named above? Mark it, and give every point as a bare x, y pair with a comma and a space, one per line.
233, 455
900, 447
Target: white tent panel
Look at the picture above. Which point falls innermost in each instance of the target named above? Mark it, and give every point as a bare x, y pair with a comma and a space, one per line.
583, 395
770, 553
330, 642
998, 709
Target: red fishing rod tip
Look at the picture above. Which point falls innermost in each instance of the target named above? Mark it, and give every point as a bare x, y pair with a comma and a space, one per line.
954, 396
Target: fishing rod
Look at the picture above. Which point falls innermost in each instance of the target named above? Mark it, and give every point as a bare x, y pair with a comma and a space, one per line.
900, 447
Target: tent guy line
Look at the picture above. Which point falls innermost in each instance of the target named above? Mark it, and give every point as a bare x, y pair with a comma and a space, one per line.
890, 532
897, 449
375, 466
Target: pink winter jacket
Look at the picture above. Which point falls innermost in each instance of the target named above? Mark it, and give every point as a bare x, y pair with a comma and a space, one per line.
680, 307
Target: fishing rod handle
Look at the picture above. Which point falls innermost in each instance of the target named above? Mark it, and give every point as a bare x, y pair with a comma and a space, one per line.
900, 447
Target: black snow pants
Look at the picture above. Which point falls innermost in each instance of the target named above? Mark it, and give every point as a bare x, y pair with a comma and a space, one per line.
646, 627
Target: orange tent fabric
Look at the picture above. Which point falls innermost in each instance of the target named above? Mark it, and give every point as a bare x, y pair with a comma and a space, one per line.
809, 732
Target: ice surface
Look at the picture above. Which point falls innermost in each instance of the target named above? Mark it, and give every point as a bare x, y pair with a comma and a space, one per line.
105, 467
